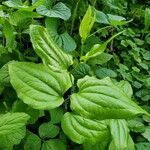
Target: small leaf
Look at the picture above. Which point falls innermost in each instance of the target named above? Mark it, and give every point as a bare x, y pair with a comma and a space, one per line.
38, 86
143, 146
104, 72
147, 19
32, 142
82, 130
87, 24
146, 134
48, 130
102, 99
54, 145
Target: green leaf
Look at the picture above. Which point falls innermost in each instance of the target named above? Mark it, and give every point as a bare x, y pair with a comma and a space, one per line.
47, 49
87, 23
9, 35
18, 16
56, 115
126, 87
38, 86
54, 145
64, 40
143, 146
147, 19
100, 59
146, 134
80, 70
12, 128
104, 72
102, 99
33, 142
120, 135
12, 121
48, 130
98, 49
83, 130
60, 10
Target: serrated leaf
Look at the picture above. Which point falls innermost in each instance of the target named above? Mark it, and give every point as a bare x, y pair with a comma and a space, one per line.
87, 23
102, 99
47, 49
38, 86
54, 145
60, 10
83, 130
48, 130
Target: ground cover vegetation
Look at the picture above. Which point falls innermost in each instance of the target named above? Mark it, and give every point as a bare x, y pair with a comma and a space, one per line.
74, 75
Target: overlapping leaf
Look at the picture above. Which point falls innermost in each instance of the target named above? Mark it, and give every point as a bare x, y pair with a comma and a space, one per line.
37, 85
83, 130
102, 99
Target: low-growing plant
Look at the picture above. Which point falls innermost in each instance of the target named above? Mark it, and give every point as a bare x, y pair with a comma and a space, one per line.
59, 98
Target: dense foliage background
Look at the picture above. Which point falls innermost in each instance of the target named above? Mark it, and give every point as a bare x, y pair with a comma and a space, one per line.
126, 57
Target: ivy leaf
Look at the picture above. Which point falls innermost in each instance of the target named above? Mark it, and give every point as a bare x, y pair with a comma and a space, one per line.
47, 49
60, 10
38, 86
64, 40
54, 145
83, 130
102, 99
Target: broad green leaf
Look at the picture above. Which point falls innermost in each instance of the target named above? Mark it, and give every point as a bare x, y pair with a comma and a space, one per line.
120, 135
60, 10
47, 49
56, 115
100, 59
12, 128
48, 130
101, 17
38, 86
33, 142
64, 40
87, 24
83, 130
12, 121
102, 99
54, 145
104, 72
18, 16
9, 140
98, 49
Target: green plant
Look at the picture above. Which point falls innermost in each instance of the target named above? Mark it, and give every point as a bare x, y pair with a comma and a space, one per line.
56, 97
